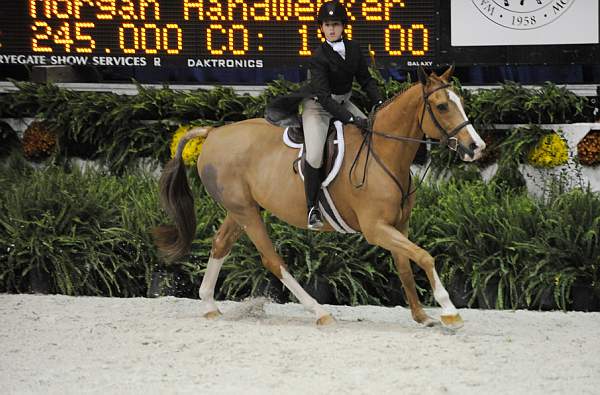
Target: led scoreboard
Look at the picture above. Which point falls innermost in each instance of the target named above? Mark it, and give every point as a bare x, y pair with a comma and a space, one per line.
206, 33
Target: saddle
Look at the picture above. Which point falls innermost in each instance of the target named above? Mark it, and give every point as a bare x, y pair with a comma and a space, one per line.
293, 137
295, 134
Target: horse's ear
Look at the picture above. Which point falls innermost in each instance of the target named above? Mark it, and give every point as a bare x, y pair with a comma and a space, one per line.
423, 78
448, 73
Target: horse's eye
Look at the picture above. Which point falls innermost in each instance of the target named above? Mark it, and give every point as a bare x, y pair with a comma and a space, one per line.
442, 107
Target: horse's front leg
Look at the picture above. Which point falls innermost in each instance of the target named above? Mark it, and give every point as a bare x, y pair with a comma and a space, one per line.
408, 283
407, 278
390, 238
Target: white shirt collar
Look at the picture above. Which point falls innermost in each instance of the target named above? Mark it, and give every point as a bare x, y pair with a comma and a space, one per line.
338, 47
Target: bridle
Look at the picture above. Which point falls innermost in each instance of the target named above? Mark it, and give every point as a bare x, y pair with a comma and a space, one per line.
448, 139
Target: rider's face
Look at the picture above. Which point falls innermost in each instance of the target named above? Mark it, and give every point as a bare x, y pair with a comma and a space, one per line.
332, 30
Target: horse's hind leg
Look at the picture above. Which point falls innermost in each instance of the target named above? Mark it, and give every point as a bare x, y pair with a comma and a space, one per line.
255, 229
222, 242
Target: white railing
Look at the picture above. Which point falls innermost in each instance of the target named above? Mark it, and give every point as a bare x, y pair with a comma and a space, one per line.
587, 90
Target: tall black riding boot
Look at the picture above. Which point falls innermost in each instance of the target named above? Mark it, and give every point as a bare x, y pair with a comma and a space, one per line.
312, 185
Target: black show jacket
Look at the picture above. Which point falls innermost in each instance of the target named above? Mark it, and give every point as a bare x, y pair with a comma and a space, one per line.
329, 74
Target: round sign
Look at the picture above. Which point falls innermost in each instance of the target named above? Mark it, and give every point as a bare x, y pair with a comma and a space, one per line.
523, 14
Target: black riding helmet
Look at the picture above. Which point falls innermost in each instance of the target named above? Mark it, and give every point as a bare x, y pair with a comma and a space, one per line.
332, 11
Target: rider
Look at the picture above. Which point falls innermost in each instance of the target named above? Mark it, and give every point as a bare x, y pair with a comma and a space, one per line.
333, 67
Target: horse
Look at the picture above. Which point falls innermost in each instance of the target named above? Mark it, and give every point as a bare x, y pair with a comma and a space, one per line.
246, 167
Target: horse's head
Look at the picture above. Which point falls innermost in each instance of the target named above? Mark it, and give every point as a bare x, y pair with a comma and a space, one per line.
444, 118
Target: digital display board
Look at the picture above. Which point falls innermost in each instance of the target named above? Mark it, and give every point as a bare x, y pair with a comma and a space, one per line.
207, 33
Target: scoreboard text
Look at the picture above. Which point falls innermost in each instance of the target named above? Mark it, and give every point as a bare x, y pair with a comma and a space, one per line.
206, 33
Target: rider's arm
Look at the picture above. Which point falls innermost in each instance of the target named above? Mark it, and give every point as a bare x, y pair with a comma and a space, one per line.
322, 91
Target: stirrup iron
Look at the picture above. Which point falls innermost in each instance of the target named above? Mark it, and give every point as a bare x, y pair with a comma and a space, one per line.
315, 220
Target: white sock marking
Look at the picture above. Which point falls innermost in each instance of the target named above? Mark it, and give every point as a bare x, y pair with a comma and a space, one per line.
207, 288
441, 296
307, 301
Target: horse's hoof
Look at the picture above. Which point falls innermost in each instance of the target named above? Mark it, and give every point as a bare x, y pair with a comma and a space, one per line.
429, 322
211, 315
326, 320
424, 319
453, 321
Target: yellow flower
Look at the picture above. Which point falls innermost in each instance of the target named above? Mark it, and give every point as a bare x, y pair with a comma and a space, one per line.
192, 148
550, 151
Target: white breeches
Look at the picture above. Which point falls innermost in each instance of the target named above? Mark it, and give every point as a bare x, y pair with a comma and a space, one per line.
315, 121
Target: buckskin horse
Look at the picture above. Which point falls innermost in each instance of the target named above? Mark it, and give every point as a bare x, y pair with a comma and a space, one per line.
245, 167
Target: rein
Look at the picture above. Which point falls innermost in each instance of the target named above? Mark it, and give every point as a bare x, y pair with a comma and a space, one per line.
448, 139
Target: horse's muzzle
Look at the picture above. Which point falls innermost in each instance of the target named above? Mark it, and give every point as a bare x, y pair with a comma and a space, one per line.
470, 153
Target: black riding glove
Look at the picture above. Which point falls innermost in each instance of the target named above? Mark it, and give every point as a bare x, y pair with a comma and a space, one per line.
360, 122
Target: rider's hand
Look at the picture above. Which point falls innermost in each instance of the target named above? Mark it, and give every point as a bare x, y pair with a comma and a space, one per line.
360, 122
